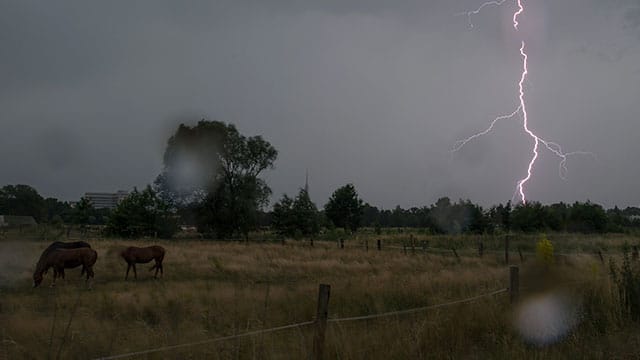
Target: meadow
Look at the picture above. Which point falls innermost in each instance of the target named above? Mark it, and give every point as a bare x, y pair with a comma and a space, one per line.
212, 289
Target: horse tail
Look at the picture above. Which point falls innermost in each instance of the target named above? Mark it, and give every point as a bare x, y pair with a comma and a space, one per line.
94, 257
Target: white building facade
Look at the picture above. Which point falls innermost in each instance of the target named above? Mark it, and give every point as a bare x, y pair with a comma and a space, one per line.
101, 200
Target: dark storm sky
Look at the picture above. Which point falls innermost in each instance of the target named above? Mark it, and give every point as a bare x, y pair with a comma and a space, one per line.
371, 92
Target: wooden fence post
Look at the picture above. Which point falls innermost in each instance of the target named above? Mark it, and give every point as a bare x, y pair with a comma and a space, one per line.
413, 245
379, 244
311, 242
404, 247
601, 257
506, 249
514, 283
481, 248
341, 243
321, 321
455, 253
634, 253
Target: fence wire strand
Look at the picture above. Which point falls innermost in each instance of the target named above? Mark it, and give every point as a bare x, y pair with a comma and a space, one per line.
414, 310
203, 342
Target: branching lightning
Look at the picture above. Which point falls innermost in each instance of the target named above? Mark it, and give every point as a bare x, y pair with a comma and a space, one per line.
469, 14
522, 111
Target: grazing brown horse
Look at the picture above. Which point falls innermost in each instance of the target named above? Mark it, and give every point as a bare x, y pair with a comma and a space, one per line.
62, 245
136, 255
59, 259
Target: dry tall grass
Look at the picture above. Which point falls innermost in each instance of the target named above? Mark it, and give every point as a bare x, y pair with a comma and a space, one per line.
213, 289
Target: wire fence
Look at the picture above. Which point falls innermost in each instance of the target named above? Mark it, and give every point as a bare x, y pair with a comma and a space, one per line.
468, 251
302, 324
203, 342
415, 310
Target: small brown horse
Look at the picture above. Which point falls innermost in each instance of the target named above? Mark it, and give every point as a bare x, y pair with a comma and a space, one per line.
136, 255
59, 259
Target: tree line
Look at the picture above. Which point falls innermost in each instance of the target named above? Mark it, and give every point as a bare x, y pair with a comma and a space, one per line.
211, 180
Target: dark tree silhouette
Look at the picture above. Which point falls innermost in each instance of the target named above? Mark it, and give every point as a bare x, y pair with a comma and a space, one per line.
345, 208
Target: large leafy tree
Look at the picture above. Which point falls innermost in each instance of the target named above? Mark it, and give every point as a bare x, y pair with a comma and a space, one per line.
530, 217
217, 168
306, 214
499, 218
345, 208
455, 218
22, 200
83, 214
587, 218
57, 211
283, 219
142, 213
296, 217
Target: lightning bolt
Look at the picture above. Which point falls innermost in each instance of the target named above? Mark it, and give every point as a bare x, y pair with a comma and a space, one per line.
521, 110
469, 14
525, 117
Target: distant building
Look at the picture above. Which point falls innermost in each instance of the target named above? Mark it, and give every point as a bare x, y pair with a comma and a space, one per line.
11, 220
106, 200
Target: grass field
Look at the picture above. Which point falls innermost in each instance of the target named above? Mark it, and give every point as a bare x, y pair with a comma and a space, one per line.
214, 289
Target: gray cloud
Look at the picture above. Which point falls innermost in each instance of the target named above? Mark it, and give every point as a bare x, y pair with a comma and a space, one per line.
370, 92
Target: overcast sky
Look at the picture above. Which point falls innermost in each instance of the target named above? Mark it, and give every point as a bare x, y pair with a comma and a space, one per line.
371, 92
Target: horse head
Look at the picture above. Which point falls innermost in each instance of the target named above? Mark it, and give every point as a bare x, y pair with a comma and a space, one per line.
37, 278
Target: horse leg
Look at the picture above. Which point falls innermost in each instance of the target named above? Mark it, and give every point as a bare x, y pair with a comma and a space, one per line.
157, 267
161, 270
128, 268
55, 275
135, 273
90, 275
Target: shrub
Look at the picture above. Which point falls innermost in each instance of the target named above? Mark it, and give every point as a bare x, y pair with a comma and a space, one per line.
544, 250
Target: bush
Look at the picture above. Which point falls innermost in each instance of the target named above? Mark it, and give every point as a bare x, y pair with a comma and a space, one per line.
544, 251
